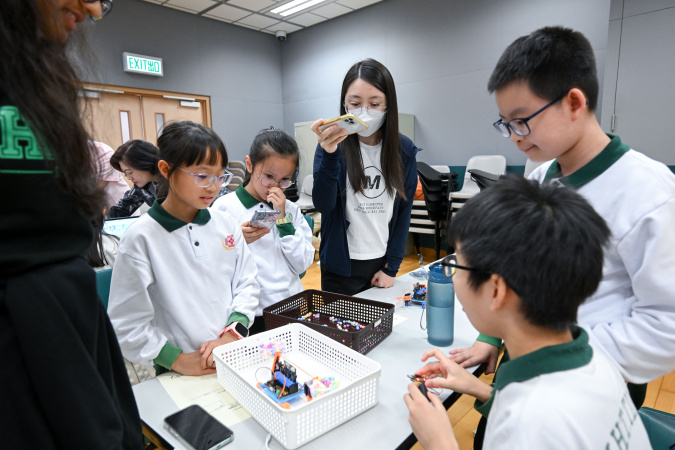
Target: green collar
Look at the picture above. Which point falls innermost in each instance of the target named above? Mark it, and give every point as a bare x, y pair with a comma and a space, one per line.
608, 156
247, 199
171, 223
555, 358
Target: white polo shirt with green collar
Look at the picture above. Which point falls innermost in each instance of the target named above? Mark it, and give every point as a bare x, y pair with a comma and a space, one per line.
567, 396
280, 255
176, 285
632, 314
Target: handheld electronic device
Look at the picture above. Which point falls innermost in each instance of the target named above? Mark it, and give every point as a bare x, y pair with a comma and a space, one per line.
197, 429
349, 122
265, 219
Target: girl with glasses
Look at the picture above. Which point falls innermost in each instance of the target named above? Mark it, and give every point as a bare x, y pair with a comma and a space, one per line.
184, 281
284, 251
364, 186
63, 379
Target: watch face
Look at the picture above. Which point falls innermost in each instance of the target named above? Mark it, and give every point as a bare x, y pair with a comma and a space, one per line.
241, 329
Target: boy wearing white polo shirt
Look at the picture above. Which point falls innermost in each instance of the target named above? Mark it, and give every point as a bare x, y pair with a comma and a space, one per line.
527, 257
546, 89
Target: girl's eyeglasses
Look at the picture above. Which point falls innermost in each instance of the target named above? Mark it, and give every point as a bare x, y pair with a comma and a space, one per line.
206, 180
449, 264
268, 181
106, 7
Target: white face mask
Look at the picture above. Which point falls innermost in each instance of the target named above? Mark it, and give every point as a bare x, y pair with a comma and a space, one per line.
373, 118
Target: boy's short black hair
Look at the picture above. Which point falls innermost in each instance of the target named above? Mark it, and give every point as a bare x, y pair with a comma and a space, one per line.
545, 241
552, 60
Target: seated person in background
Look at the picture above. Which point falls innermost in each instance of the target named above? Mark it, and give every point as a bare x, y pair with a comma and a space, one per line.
102, 252
527, 257
108, 178
546, 88
138, 160
184, 281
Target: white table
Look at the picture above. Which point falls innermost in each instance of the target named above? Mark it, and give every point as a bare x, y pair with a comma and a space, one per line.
383, 426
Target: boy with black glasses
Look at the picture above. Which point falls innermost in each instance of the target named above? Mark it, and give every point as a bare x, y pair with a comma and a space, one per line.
527, 256
546, 89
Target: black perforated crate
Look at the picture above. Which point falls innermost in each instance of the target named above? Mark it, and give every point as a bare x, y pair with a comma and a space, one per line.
378, 317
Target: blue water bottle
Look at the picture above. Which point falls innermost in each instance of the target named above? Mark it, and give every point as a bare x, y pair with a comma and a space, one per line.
440, 305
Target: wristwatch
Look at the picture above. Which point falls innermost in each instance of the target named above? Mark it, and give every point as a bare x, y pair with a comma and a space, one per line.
287, 219
237, 328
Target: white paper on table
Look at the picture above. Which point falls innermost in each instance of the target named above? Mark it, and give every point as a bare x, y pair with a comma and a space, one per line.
398, 319
206, 392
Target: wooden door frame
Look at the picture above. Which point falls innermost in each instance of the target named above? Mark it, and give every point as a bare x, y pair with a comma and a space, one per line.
152, 93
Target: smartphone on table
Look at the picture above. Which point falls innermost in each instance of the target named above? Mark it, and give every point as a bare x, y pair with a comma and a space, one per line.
197, 429
349, 122
265, 219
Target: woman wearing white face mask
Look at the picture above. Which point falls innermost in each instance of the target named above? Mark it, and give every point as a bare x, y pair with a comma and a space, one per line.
364, 186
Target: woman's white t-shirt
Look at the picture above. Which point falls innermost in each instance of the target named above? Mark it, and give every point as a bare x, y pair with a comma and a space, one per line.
370, 212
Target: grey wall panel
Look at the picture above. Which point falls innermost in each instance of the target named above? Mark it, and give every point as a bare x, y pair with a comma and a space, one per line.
635, 7
440, 52
611, 67
645, 89
616, 9
239, 68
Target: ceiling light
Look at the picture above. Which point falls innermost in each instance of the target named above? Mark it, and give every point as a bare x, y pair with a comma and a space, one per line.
295, 6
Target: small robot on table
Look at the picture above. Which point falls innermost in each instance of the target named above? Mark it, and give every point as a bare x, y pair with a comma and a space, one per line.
418, 294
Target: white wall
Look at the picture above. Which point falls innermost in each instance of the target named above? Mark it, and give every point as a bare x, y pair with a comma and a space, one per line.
440, 53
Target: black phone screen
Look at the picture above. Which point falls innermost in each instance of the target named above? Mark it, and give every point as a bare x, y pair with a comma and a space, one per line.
199, 428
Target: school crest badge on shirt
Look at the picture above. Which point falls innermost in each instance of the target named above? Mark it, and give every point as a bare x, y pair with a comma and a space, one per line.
228, 242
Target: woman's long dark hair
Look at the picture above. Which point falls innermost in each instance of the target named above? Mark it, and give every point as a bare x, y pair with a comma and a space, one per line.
95, 255
40, 81
376, 74
137, 154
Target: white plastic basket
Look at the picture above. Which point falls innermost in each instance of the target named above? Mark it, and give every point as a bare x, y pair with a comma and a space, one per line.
358, 375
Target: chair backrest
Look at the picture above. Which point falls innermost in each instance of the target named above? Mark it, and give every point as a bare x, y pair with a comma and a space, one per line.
236, 165
530, 166
495, 164
103, 278
237, 172
307, 184
660, 427
235, 182
435, 182
310, 222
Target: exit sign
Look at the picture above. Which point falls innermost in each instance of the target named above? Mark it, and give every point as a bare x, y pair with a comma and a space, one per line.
147, 65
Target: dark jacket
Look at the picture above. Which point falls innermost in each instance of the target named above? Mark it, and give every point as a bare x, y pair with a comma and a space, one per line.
132, 200
329, 197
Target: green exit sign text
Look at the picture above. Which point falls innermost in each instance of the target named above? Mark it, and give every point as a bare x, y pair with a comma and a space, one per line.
146, 65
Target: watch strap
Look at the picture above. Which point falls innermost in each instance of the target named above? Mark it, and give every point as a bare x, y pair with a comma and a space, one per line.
288, 218
233, 328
